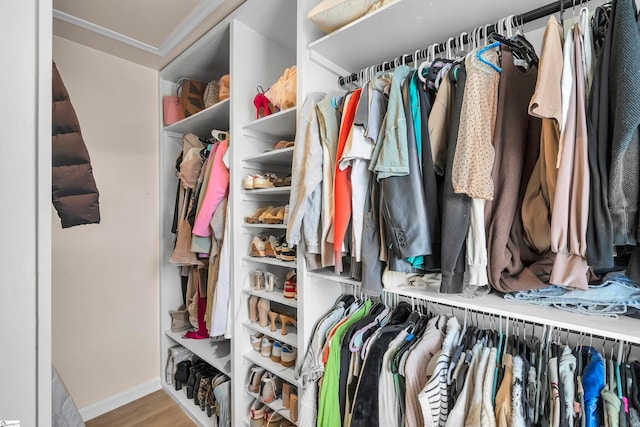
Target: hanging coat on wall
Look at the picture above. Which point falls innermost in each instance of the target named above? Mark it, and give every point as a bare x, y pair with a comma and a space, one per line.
74, 191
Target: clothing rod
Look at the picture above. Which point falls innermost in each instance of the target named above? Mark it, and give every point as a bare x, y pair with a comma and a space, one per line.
524, 18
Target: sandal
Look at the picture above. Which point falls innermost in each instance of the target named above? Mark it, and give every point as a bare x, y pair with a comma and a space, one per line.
258, 247
283, 144
282, 182
254, 218
274, 215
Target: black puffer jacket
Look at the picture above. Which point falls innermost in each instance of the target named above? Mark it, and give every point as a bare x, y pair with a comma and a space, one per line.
74, 191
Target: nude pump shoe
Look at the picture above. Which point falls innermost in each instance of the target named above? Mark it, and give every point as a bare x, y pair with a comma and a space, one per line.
263, 311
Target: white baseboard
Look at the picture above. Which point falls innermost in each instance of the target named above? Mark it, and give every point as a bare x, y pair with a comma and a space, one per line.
117, 400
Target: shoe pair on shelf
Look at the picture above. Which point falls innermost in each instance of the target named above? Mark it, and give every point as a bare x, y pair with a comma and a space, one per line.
267, 180
272, 247
260, 311
277, 351
265, 281
269, 215
262, 416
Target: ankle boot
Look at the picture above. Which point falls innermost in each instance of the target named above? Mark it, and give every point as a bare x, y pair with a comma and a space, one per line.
182, 374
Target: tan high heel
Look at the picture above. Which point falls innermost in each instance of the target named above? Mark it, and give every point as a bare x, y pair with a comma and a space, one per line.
273, 316
253, 308
293, 407
264, 307
286, 320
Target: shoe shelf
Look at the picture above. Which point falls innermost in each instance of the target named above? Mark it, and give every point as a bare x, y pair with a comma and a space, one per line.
280, 157
291, 338
287, 374
218, 355
270, 261
274, 191
328, 274
180, 396
260, 225
276, 406
280, 125
201, 123
275, 296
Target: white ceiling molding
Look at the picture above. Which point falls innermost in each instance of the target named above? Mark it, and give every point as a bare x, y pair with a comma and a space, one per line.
197, 15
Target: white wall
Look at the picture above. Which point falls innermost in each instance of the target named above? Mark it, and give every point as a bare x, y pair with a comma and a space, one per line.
25, 170
105, 277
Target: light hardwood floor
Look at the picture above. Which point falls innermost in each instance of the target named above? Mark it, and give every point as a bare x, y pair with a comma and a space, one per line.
156, 409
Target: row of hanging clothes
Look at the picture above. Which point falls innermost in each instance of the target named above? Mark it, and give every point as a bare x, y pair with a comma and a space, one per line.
497, 168
371, 363
200, 225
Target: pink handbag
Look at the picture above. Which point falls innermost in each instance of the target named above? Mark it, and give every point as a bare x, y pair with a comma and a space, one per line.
173, 110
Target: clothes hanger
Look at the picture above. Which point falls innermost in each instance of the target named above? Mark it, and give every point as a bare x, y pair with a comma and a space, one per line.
484, 61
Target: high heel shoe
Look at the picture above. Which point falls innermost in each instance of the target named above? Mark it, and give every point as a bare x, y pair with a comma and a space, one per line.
253, 308
261, 102
273, 316
263, 311
284, 320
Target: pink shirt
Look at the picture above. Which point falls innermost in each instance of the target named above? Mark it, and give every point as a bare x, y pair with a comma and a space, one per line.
216, 190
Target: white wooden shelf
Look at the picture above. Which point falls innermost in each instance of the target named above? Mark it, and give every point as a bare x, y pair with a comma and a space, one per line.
328, 274
418, 23
275, 296
201, 123
260, 225
291, 338
194, 412
270, 261
277, 406
273, 191
280, 157
280, 125
218, 355
623, 328
283, 372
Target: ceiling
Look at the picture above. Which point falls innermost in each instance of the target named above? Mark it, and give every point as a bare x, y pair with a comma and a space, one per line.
148, 32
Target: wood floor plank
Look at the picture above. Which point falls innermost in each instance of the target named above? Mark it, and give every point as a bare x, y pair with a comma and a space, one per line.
157, 409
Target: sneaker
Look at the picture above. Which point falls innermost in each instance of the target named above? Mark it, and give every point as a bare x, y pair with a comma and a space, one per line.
291, 287
263, 181
247, 182
256, 341
287, 253
276, 351
288, 356
266, 347
256, 413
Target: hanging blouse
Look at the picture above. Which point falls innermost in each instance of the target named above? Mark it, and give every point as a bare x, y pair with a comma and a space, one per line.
471, 173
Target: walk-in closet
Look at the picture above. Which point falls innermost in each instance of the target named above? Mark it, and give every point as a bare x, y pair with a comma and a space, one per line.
351, 213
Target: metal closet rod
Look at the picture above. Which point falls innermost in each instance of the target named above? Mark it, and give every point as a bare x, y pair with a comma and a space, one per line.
524, 18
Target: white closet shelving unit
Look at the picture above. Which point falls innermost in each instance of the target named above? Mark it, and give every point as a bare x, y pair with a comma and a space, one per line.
255, 44
207, 59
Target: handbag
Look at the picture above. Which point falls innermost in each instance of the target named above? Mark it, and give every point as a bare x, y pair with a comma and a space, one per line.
172, 109
283, 92
211, 94
192, 95
224, 84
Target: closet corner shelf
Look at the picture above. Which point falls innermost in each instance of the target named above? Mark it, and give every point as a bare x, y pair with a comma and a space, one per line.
201, 123
280, 125
281, 157
291, 338
624, 328
275, 296
218, 355
260, 225
328, 274
352, 48
277, 406
271, 366
180, 396
270, 261
275, 191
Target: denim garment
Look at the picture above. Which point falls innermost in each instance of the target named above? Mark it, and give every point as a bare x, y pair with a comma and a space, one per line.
593, 383
616, 295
